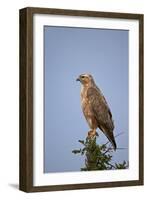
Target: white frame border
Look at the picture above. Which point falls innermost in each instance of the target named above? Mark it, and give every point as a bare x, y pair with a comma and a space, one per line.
40, 178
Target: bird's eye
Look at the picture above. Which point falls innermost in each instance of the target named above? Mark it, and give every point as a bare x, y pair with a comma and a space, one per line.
82, 77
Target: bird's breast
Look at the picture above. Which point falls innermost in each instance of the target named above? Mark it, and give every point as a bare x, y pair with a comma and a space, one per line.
84, 100
83, 96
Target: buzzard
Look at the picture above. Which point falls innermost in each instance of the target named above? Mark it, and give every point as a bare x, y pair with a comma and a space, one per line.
95, 108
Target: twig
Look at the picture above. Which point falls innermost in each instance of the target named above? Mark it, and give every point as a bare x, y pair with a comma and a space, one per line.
111, 165
107, 151
121, 148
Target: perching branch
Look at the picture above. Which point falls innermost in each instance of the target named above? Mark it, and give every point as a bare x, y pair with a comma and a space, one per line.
98, 157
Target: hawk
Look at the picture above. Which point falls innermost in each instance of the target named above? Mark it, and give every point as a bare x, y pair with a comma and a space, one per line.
96, 109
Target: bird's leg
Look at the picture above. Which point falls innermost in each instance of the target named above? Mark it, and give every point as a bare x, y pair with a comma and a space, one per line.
89, 133
92, 133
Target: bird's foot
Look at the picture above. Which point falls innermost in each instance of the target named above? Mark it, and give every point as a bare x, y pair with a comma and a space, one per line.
92, 134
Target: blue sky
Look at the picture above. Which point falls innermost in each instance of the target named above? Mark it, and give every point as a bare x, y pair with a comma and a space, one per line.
70, 52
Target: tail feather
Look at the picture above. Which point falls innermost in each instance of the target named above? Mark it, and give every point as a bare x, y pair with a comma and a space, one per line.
109, 135
111, 138
113, 143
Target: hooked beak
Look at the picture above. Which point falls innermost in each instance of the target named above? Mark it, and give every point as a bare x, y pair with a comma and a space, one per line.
78, 79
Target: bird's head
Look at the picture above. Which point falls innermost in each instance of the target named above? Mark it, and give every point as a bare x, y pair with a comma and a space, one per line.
85, 79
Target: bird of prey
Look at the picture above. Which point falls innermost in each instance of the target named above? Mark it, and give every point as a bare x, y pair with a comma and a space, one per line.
96, 109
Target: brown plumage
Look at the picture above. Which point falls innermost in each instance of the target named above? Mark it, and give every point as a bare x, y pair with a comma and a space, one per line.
95, 108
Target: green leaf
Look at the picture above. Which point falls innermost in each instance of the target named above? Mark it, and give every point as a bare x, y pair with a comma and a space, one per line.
76, 151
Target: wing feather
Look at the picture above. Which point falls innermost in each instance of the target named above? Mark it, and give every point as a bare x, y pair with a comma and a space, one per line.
100, 109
